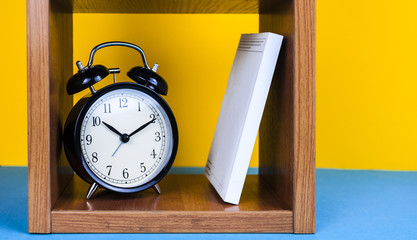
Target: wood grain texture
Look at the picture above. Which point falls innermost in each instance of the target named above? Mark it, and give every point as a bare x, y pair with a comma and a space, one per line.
188, 203
305, 116
287, 134
165, 6
179, 193
172, 222
276, 134
283, 200
38, 117
49, 66
60, 103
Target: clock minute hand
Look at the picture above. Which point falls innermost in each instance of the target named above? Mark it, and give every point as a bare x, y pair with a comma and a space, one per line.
112, 129
142, 127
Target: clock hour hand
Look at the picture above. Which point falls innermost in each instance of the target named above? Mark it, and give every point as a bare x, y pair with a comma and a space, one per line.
112, 129
142, 127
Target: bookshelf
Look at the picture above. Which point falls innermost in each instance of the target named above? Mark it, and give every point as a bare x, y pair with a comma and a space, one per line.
280, 199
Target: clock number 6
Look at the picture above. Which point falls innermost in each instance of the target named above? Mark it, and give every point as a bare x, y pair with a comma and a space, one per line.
125, 173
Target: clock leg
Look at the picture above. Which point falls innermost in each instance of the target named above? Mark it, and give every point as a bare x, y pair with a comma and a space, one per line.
92, 190
156, 188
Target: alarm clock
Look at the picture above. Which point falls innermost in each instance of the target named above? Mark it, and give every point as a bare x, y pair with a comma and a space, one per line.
123, 137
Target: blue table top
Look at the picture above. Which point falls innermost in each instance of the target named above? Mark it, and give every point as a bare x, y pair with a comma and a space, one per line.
350, 204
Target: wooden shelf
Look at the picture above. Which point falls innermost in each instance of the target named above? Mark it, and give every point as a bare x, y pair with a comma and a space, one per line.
188, 204
163, 6
285, 202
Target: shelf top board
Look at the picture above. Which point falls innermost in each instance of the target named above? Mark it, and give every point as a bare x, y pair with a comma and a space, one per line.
165, 6
179, 193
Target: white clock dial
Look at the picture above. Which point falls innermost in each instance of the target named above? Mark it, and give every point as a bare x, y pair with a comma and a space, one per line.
126, 138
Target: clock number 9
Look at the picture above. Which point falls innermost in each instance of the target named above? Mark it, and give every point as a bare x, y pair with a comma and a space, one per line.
95, 158
89, 139
125, 173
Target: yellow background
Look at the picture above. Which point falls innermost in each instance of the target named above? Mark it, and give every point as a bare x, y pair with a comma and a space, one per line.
366, 84
195, 59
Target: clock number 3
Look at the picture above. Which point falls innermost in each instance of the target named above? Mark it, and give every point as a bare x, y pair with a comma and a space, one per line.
157, 136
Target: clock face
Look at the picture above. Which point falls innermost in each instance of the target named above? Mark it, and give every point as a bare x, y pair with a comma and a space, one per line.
126, 138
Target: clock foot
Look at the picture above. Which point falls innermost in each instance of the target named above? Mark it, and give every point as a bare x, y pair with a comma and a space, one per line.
156, 188
92, 190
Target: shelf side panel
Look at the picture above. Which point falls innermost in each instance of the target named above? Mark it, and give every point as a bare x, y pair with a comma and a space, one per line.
287, 134
38, 117
60, 70
49, 31
305, 117
276, 134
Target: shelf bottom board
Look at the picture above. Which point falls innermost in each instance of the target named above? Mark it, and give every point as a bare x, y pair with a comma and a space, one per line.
188, 203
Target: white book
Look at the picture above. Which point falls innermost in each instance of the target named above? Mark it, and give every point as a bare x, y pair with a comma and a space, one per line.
241, 112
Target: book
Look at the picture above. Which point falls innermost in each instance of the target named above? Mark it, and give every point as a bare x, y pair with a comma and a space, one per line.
241, 113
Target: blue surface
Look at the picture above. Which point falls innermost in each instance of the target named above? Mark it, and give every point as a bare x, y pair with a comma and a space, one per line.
350, 205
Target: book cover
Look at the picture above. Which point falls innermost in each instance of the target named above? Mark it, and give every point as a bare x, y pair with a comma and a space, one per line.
241, 113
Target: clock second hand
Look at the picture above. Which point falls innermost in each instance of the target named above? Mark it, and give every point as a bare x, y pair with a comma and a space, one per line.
124, 138
117, 149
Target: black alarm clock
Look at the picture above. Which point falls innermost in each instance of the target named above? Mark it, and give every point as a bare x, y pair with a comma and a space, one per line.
123, 137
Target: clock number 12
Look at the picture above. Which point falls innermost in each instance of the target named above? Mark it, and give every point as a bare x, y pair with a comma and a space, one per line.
122, 102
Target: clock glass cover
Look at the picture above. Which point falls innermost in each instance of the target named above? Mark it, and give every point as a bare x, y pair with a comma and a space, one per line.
126, 138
